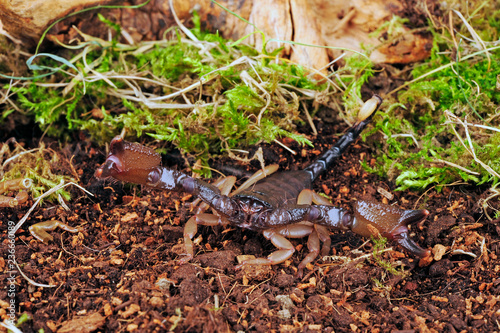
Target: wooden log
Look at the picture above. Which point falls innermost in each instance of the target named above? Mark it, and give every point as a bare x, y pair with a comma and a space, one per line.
28, 19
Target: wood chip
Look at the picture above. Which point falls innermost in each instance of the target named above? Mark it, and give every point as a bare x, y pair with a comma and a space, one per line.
52, 325
311, 284
438, 251
129, 217
83, 324
315, 327
473, 226
131, 310
344, 190
385, 193
439, 299
116, 261
423, 262
108, 310
295, 298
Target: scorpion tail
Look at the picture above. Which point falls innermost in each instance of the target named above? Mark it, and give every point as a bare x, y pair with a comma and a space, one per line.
325, 161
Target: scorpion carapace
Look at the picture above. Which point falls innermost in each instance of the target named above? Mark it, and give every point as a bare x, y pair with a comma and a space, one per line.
280, 206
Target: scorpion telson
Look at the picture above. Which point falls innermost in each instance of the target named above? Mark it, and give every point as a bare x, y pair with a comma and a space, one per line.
280, 206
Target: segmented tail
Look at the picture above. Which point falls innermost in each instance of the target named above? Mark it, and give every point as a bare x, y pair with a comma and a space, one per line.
325, 161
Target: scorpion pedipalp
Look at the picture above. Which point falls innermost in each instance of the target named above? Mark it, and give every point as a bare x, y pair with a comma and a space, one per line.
372, 218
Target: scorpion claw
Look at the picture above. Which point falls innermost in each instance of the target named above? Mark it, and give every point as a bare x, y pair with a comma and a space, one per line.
409, 244
376, 218
400, 235
129, 162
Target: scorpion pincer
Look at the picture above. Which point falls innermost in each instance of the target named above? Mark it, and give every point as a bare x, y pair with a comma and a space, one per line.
280, 206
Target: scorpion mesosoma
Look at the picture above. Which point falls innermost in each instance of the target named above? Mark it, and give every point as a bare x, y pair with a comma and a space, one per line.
280, 205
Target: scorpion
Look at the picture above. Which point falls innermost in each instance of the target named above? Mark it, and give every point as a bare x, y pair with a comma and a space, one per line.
280, 206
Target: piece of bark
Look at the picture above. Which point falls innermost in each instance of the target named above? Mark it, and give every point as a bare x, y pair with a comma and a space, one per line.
307, 32
27, 19
273, 18
333, 23
407, 49
83, 324
349, 24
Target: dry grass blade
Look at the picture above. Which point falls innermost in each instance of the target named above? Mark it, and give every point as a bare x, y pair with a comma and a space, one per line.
44, 195
469, 147
480, 43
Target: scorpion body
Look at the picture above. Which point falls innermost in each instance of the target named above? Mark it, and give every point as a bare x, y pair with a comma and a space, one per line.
280, 206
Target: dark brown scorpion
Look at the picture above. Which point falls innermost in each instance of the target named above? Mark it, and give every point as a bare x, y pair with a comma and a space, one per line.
280, 205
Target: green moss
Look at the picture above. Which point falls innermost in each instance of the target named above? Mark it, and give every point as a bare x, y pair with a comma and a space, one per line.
232, 95
42, 166
379, 245
423, 138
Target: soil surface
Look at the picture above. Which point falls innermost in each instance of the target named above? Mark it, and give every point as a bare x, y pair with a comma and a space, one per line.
121, 271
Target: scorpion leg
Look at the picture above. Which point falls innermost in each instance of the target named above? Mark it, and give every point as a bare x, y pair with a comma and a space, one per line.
191, 228
323, 233
224, 185
278, 237
259, 175
320, 233
285, 247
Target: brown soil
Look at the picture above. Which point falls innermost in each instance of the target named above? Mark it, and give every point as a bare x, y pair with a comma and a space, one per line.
121, 272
